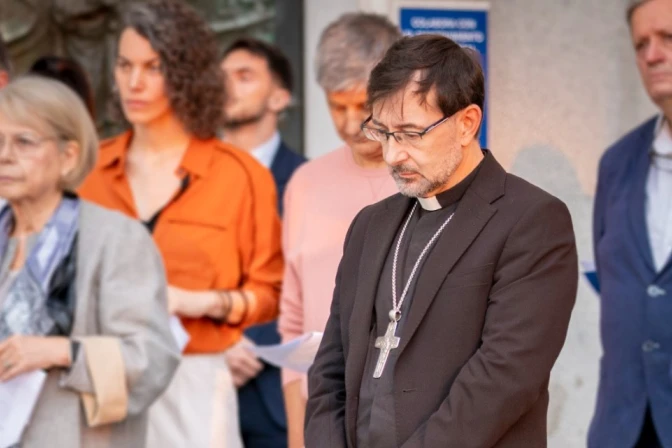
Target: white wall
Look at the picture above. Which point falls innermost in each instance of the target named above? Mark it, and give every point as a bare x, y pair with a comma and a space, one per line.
562, 87
320, 135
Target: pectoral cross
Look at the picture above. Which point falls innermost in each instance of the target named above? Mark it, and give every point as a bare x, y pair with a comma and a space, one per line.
386, 344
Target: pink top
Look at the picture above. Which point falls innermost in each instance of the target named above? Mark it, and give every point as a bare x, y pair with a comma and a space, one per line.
321, 200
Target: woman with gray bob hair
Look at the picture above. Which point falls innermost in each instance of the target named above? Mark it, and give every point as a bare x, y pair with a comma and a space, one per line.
82, 289
350, 47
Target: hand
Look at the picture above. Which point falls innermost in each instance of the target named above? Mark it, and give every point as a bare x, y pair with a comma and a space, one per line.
189, 303
243, 364
22, 354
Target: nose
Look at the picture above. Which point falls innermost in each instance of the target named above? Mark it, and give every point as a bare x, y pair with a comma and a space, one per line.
353, 122
654, 52
6, 153
394, 153
135, 81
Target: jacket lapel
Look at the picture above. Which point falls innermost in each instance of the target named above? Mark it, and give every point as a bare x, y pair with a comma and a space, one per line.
472, 214
278, 167
637, 202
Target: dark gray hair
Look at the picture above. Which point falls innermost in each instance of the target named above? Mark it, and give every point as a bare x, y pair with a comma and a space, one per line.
350, 47
632, 7
5, 63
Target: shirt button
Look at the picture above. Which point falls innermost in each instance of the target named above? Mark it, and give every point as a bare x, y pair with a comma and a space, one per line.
655, 291
650, 346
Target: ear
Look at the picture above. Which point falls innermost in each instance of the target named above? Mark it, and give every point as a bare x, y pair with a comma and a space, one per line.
469, 123
70, 154
279, 100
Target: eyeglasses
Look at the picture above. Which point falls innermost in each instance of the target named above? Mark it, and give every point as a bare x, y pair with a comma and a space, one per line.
402, 137
23, 145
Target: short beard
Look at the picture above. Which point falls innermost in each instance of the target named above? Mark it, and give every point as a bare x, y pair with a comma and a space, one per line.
425, 186
242, 121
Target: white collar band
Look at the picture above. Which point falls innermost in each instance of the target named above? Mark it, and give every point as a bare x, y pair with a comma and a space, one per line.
430, 204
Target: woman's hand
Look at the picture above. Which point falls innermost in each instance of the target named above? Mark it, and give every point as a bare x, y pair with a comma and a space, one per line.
22, 354
190, 303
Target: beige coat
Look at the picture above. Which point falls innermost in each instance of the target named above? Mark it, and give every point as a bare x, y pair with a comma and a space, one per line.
128, 354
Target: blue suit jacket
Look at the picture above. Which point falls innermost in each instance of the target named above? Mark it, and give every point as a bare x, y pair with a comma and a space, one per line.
636, 302
268, 382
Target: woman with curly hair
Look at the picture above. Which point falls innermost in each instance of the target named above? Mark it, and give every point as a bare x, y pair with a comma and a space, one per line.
210, 207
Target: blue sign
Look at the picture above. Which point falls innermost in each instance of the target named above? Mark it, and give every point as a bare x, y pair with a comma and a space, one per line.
467, 27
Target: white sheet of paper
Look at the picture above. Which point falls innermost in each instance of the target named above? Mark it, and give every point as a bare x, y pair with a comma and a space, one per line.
179, 333
18, 398
297, 354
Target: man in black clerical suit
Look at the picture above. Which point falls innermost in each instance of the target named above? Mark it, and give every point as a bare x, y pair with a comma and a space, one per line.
453, 298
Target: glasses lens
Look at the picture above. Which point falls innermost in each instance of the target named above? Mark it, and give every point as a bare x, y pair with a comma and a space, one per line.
412, 138
373, 134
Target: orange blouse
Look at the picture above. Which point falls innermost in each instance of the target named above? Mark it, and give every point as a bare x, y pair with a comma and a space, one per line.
221, 233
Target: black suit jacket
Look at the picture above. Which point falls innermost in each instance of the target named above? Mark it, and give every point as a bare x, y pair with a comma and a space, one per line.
486, 324
268, 383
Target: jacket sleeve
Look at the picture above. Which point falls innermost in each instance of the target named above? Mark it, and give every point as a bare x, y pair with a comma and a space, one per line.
259, 240
142, 355
534, 290
325, 410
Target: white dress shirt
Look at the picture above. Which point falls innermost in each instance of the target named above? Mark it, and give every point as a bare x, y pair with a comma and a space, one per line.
659, 195
265, 153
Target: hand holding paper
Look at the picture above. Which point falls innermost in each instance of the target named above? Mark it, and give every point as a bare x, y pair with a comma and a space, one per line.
297, 354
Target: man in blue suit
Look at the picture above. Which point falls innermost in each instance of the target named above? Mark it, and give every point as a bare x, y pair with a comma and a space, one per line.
633, 244
259, 89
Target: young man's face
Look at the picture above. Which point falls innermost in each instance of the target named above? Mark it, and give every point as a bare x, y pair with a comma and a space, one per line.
251, 90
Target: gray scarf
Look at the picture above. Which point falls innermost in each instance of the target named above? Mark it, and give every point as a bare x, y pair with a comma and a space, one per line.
25, 309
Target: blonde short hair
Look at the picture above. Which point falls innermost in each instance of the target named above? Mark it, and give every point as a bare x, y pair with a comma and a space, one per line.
53, 108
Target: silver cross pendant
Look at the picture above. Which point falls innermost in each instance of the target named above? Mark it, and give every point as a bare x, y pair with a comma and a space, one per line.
387, 343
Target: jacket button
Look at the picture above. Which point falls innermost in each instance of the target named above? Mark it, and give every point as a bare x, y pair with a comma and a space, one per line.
650, 346
655, 291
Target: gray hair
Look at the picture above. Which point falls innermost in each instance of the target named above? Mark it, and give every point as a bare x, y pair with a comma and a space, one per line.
632, 7
5, 63
55, 109
350, 47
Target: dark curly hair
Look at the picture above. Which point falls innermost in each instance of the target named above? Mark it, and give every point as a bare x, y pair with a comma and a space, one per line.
189, 60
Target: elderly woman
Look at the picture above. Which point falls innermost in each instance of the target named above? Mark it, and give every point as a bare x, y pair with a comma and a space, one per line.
325, 194
82, 289
210, 207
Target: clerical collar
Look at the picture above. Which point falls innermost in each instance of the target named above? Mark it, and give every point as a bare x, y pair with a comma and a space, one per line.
454, 194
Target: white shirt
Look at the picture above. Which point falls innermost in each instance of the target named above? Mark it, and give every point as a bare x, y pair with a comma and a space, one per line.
265, 153
659, 195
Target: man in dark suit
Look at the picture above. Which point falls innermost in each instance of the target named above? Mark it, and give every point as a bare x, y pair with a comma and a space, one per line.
632, 238
259, 88
453, 298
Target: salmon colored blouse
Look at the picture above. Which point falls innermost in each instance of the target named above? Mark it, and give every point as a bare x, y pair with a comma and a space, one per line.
221, 233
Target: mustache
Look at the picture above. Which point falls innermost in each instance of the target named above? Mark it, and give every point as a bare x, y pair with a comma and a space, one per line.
402, 169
